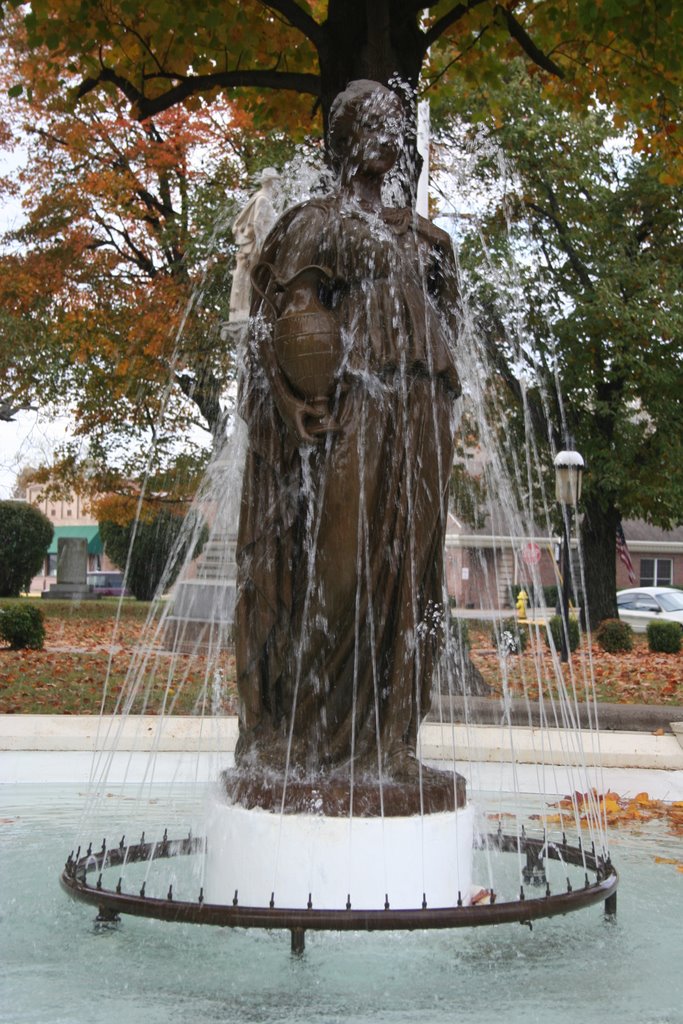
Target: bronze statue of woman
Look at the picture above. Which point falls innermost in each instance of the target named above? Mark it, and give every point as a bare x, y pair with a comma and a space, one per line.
340, 550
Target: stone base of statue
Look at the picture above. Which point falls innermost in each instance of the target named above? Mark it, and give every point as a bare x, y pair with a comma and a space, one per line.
72, 568
71, 592
317, 841
201, 616
202, 613
332, 793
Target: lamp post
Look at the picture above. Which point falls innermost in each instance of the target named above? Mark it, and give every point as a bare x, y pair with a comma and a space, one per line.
569, 468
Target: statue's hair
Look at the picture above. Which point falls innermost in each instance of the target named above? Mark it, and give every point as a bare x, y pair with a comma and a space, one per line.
345, 108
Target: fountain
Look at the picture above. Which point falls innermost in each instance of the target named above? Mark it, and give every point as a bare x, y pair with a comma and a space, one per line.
330, 817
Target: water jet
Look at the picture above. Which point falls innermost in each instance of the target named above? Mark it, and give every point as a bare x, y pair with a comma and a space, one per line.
329, 818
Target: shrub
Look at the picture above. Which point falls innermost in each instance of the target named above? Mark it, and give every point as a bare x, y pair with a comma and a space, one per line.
509, 637
21, 625
664, 637
159, 547
613, 635
556, 628
25, 535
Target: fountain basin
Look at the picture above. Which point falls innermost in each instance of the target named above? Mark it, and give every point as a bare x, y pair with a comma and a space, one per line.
171, 973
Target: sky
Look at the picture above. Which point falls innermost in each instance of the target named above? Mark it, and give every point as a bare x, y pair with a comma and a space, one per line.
18, 440
30, 439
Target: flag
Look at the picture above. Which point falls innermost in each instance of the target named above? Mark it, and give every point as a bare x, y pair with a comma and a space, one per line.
622, 551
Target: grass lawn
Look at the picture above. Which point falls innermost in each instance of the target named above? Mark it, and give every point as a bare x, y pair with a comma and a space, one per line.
83, 641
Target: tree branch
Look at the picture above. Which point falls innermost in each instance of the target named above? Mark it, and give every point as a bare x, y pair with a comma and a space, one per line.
518, 33
187, 86
203, 389
8, 409
493, 332
152, 203
298, 18
444, 70
133, 253
527, 43
446, 20
566, 243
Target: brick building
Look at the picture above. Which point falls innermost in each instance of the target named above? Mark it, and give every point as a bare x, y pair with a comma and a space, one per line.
483, 565
70, 519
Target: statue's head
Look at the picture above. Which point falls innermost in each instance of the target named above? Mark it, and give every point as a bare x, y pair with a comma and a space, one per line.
268, 176
367, 121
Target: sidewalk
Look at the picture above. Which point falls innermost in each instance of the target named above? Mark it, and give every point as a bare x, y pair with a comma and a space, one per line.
492, 742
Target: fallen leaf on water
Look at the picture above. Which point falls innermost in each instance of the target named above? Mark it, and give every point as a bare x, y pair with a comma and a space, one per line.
621, 810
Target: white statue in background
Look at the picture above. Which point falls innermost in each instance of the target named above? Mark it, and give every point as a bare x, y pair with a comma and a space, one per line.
250, 229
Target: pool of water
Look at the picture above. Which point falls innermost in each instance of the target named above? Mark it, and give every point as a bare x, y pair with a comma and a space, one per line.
58, 967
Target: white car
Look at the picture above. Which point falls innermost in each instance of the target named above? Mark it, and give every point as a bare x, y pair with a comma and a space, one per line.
642, 605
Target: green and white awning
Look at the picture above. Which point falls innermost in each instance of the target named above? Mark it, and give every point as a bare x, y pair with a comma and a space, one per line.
91, 534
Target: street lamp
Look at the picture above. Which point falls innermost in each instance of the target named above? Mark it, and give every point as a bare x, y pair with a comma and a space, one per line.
569, 468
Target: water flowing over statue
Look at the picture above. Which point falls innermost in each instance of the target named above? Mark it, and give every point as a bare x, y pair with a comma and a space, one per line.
349, 397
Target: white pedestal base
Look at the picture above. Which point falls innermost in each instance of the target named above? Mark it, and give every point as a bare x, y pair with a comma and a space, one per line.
259, 852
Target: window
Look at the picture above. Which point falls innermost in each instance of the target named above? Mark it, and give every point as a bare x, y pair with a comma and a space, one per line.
671, 602
655, 572
638, 602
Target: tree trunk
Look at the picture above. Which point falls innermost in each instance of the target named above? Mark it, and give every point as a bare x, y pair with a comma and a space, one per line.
379, 40
598, 535
373, 39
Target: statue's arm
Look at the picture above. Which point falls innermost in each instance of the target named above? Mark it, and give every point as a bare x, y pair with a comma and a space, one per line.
293, 410
442, 278
442, 284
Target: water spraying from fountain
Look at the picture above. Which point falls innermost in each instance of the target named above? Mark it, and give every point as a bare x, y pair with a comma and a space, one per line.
331, 817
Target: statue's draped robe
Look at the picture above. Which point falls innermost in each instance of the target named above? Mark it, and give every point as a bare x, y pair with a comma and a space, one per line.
340, 547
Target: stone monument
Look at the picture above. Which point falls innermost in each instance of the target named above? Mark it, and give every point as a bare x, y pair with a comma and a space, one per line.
250, 229
72, 567
203, 607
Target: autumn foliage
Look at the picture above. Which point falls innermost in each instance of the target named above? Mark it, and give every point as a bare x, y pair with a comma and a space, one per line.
290, 58
115, 286
614, 810
101, 286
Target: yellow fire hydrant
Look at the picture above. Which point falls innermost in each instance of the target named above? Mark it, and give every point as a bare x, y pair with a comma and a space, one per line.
521, 603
